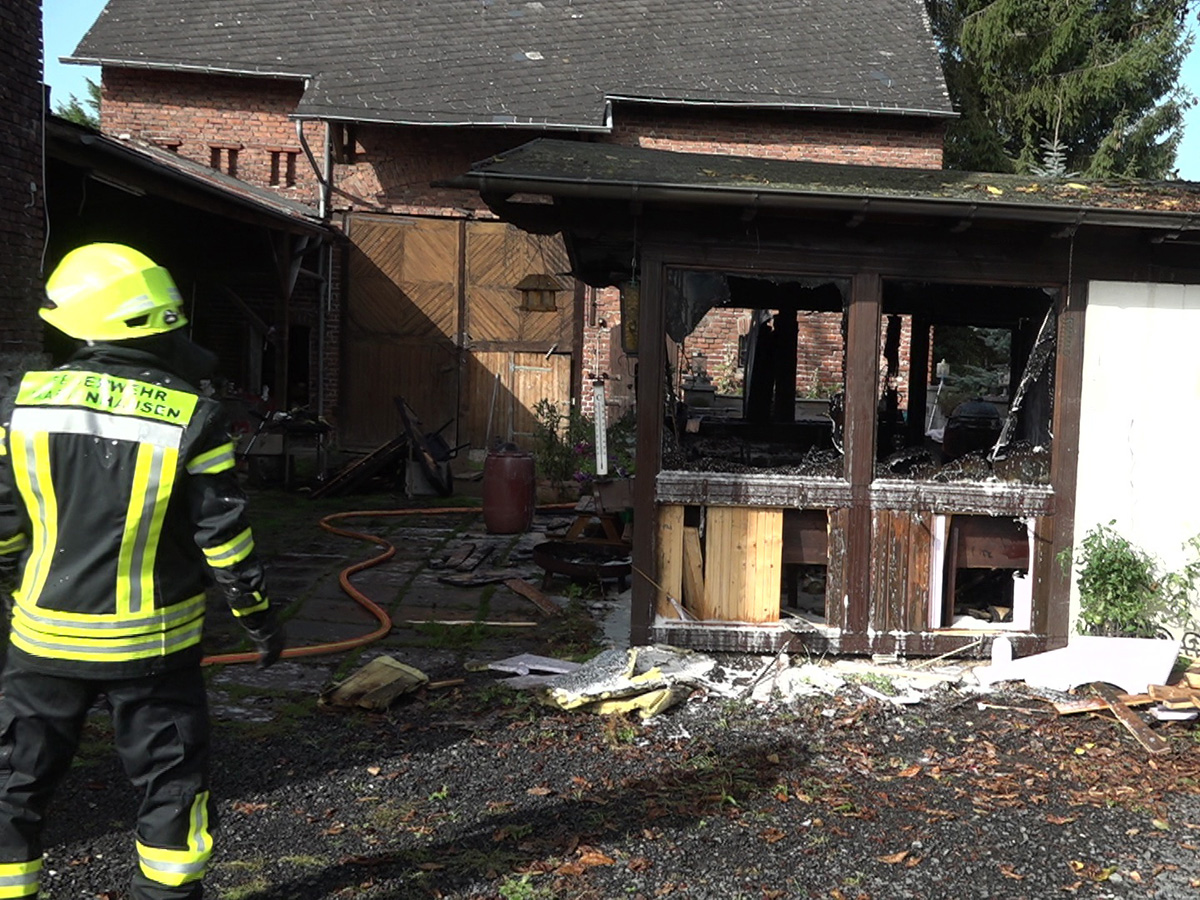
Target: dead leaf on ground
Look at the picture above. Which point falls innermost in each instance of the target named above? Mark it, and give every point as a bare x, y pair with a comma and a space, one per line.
1060, 820
893, 858
591, 858
540, 791
1008, 872
909, 772
772, 835
246, 808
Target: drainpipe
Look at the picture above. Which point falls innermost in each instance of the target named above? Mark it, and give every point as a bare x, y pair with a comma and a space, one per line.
322, 171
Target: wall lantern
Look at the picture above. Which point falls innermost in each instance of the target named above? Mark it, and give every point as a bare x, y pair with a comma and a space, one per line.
538, 293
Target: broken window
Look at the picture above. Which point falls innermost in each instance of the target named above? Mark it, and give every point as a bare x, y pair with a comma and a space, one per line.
755, 374
966, 383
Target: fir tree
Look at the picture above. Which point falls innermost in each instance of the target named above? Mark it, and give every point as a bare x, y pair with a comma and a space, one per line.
1087, 86
86, 112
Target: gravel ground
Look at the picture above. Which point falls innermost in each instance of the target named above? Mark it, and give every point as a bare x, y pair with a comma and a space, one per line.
480, 791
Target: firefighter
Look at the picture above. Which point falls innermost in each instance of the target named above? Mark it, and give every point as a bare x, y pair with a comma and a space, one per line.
118, 504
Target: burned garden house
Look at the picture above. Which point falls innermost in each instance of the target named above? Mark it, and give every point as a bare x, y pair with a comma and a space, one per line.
927, 500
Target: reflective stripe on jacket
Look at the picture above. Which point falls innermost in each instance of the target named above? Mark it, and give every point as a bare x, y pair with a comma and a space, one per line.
117, 490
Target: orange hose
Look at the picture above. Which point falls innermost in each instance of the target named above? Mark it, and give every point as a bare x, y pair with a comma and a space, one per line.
385, 621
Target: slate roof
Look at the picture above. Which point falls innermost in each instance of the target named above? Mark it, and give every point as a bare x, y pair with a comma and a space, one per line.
587, 169
544, 63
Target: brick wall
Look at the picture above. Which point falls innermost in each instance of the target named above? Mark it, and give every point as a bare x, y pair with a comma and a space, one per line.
21, 188
198, 115
860, 139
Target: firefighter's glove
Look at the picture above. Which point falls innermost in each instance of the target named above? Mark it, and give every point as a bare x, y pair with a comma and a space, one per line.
269, 638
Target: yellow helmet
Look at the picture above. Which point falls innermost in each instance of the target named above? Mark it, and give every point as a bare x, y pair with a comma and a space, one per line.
110, 292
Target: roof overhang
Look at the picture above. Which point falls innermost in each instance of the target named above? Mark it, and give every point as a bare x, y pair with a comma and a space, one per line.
144, 170
571, 170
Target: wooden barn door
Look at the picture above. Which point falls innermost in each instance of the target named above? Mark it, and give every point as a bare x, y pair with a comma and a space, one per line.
400, 326
515, 357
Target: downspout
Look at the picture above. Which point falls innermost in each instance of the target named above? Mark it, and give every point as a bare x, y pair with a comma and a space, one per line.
324, 173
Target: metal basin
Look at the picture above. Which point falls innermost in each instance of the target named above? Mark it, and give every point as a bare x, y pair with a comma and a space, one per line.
584, 560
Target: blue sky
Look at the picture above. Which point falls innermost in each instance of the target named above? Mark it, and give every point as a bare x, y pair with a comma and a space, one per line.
67, 20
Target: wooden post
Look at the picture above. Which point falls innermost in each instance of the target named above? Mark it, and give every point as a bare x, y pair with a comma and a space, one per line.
787, 330
1052, 588
862, 380
651, 384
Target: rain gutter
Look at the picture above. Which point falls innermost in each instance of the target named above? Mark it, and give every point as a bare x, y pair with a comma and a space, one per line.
192, 69
809, 106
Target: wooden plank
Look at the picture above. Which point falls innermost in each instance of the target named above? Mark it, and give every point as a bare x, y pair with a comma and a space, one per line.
670, 560
880, 546
897, 582
693, 575
1094, 704
920, 543
743, 561
1154, 743
531, 593
835, 579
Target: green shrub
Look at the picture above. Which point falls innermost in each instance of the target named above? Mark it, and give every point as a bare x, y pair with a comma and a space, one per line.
564, 445
1122, 592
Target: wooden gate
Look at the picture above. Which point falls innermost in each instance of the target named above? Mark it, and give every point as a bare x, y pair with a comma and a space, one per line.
400, 326
504, 389
433, 314
517, 357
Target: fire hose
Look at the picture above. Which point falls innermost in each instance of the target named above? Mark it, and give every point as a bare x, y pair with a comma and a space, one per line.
381, 616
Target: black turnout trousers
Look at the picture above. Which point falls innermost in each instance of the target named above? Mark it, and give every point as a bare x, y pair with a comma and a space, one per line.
161, 732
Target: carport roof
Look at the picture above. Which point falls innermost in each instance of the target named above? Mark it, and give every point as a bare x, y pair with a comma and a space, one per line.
585, 169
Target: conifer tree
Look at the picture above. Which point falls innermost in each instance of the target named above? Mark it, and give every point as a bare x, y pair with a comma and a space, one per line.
1064, 86
86, 112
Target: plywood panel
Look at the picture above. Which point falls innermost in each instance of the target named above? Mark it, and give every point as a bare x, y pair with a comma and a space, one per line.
743, 561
